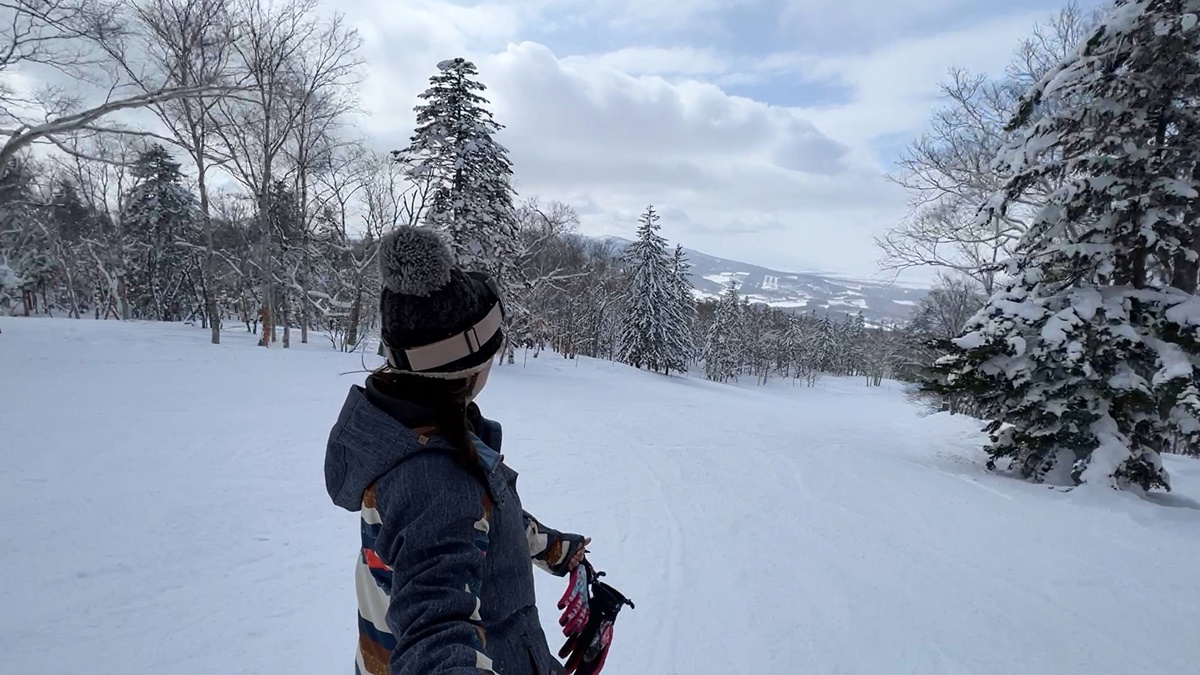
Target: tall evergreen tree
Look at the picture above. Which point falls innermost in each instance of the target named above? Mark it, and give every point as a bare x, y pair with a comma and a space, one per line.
681, 346
455, 153
722, 348
651, 299
158, 211
853, 344
791, 347
1087, 361
825, 345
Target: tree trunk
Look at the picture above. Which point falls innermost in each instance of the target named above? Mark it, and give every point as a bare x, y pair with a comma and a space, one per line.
307, 261
209, 272
123, 299
264, 315
1138, 269
286, 309
264, 224
1185, 272
71, 298
355, 312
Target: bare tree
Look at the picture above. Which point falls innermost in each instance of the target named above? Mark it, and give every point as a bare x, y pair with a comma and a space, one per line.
551, 258
289, 56
311, 152
189, 43
948, 172
99, 166
939, 318
362, 196
69, 46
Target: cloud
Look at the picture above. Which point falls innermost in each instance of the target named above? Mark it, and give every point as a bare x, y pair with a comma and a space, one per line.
656, 61
613, 131
674, 17
895, 87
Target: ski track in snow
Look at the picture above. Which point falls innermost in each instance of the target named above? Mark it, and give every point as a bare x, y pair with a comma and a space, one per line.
164, 510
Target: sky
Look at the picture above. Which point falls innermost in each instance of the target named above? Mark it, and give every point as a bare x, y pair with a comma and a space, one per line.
761, 130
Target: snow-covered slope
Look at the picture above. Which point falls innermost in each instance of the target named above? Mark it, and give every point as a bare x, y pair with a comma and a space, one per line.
162, 509
878, 301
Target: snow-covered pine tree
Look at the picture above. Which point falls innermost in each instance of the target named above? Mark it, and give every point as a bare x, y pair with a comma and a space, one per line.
853, 344
287, 222
756, 340
651, 299
792, 348
825, 346
745, 344
158, 211
682, 347
1086, 362
10, 287
722, 347
468, 173
811, 351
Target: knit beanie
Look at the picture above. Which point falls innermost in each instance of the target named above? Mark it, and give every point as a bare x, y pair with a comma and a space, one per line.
437, 320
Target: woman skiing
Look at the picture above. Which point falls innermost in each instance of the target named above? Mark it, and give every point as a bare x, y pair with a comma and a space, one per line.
444, 578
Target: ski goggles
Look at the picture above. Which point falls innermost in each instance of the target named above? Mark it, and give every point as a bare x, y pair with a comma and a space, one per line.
458, 346
494, 288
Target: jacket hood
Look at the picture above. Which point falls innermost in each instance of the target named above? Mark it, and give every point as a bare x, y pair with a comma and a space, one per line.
364, 444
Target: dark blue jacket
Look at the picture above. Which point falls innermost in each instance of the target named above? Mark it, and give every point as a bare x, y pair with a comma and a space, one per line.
445, 580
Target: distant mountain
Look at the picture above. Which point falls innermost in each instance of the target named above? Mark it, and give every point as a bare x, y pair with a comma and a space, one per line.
879, 302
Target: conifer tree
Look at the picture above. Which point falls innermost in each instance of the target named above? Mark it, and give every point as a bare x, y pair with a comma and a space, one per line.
650, 301
853, 344
681, 347
792, 348
825, 345
455, 153
1086, 361
159, 210
722, 348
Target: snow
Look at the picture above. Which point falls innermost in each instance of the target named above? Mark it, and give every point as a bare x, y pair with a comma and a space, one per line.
725, 278
1112, 451
164, 508
861, 303
1086, 302
1186, 313
1016, 344
1173, 362
1059, 326
8, 278
973, 340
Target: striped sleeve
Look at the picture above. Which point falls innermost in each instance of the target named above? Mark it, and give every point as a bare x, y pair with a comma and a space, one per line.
550, 549
434, 536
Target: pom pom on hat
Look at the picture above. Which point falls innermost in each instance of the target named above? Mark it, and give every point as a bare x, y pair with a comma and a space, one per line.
414, 261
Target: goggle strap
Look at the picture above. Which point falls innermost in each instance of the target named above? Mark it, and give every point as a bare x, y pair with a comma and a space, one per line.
454, 348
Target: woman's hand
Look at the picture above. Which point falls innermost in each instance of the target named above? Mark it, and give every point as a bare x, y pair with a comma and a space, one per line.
577, 559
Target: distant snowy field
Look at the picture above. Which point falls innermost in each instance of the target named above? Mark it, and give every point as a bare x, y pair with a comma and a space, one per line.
162, 510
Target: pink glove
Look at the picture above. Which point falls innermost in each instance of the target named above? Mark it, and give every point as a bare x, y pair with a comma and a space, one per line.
574, 602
